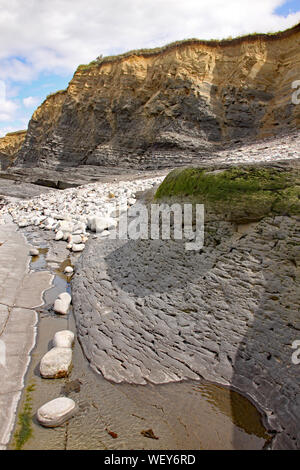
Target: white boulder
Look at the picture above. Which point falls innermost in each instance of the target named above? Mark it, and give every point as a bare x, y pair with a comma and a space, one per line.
62, 303
78, 247
56, 412
56, 363
98, 224
68, 270
34, 252
63, 339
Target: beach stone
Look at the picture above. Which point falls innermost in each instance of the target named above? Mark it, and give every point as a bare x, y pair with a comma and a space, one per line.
63, 339
77, 239
62, 303
65, 225
68, 270
59, 235
78, 247
99, 224
56, 412
105, 224
56, 363
49, 223
34, 252
79, 228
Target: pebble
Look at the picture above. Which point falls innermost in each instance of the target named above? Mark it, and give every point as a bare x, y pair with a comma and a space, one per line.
68, 270
34, 252
56, 363
62, 303
78, 247
56, 412
94, 206
77, 239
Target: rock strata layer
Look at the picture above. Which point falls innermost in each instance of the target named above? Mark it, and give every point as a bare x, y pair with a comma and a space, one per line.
9, 148
154, 109
148, 310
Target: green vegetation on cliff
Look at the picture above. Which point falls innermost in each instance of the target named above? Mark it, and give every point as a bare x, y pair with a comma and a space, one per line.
241, 194
186, 42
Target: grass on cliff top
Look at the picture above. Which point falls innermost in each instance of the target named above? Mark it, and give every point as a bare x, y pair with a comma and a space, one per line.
16, 133
209, 42
243, 194
58, 92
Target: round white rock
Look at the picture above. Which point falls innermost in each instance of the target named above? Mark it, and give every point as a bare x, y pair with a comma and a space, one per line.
63, 339
56, 412
79, 247
68, 270
56, 363
62, 303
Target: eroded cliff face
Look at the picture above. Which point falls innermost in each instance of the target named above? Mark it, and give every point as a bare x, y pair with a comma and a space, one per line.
149, 109
9, 147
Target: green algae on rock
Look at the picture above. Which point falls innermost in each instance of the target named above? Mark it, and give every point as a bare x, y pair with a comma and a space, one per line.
240, 194
24, 431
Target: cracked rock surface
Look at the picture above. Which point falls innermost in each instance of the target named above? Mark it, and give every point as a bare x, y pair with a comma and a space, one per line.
148, 310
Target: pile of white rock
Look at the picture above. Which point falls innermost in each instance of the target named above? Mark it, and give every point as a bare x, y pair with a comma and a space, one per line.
73, 212
57, 363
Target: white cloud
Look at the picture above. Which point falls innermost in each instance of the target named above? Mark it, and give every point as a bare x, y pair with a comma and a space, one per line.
31, 101
55, 36
7, 107
58, 35
5, 130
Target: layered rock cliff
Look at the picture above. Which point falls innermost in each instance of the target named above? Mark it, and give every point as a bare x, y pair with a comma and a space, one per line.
9, 147
147, 108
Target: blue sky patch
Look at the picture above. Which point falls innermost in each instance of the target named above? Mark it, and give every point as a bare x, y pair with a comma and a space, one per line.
291, 6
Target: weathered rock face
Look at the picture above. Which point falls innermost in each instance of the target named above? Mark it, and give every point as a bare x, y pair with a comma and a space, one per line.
9, 147
147, 108
149, 310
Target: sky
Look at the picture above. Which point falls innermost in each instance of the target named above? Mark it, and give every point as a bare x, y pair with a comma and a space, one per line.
43, 41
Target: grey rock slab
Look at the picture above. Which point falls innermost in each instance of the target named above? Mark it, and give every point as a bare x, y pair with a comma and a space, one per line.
4, 312
33, 286
8, 408
178, 315
20, 292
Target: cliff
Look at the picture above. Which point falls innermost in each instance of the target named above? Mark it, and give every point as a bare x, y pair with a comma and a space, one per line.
154, 108
9, 147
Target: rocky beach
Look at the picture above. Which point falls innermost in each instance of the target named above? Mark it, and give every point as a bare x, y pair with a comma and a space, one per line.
117, 343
